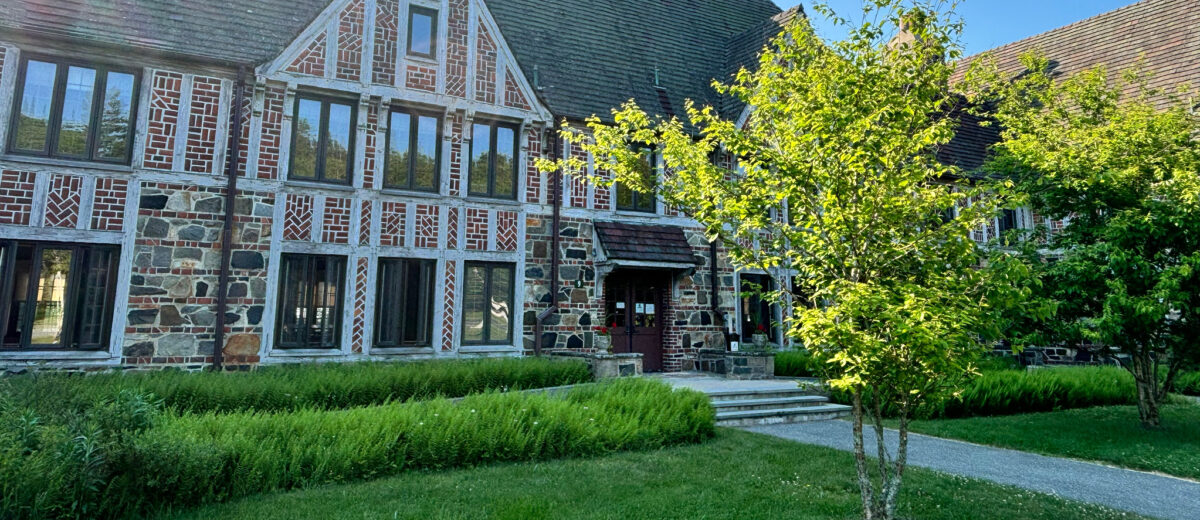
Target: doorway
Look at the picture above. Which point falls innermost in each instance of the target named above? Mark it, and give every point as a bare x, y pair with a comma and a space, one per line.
634, 302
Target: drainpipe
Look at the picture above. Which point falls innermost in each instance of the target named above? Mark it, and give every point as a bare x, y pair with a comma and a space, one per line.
714, 282
234, 150
554, 245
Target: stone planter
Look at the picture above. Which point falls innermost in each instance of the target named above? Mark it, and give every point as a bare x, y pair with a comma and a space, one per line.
738, 365
602, 343
606, 366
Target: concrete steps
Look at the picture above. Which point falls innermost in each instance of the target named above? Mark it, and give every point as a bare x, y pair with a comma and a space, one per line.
753, 407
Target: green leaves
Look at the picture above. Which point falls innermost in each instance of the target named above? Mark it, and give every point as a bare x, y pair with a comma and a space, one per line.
834, 182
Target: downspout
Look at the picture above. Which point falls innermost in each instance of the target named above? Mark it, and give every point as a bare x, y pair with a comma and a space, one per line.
234, 151
554, 245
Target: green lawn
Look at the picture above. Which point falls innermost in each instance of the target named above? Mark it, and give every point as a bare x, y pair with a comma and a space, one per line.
737, 475
1109, 434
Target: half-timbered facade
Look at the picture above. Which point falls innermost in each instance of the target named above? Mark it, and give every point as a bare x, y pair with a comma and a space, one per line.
386, 206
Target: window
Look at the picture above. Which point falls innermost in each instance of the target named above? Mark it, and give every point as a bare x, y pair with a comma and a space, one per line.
56, 296
487, 305
631, 200
74, 111
404, 303
1007, 220
323, 140
310, 301
414, 147
493, 167
758, 315
422, 32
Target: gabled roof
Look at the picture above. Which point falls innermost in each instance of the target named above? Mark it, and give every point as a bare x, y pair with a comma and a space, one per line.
593, 55
226, 31
1165, 32
744, 50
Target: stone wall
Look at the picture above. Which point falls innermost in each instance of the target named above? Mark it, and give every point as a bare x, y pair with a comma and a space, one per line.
176, 265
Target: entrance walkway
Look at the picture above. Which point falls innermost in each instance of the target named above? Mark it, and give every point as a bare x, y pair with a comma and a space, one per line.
1128, 490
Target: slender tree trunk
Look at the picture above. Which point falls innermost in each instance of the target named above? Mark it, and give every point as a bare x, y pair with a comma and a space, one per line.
860, 460
1146, 380
892, 493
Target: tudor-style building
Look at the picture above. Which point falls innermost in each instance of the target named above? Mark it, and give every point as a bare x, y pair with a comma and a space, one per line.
386, 204
385, 199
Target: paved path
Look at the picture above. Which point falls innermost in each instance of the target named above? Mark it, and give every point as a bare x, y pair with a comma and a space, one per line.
1143, 493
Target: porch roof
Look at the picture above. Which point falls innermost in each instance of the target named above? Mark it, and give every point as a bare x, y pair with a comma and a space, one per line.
645, 243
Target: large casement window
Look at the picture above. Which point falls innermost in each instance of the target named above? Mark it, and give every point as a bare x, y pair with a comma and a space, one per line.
404, 303
758, 315
422, 32
414, 149
310, 301
493, 167
323, 139
629, 199
74, 111
488, 304
56, 296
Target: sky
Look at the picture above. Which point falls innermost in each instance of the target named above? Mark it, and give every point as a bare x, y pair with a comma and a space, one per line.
990, 23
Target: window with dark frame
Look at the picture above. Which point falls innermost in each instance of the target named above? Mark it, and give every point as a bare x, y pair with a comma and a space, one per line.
422, 32
323, 139
56, 296
758, 314
488, 303
71, 110
414, 149
404, 303
493, 167
1008, 220
310, 301
629, 199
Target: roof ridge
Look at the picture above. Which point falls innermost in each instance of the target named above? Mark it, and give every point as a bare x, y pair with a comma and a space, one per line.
1060, 28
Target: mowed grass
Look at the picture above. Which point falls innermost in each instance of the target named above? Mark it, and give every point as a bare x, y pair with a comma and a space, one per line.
737, 475
1108, 434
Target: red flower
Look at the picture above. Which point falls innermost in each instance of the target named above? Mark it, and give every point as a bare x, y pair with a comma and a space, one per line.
762, 328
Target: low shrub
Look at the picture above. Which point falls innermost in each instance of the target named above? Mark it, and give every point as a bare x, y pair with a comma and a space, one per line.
194, 459
62, 469
1188, 383
796, 363
325, 386
1008, 392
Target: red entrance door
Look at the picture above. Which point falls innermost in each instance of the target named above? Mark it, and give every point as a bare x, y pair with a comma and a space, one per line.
635, 304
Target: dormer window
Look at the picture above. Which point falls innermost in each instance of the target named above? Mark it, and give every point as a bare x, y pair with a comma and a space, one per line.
422, 32
73, 110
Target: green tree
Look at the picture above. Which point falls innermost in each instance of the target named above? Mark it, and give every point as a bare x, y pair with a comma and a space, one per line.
1124, 171
842, 140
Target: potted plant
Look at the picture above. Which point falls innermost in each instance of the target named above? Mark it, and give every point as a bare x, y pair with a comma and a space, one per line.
759, 337
602, 340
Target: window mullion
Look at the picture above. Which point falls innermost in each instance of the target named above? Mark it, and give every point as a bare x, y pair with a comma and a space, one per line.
413, 126
98, 90
322, 141
72, 297
491, 167
54, 122
487, 304
6, 286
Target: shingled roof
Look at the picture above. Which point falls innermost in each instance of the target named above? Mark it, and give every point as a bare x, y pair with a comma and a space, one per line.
224, 31
644, 243
1166, 33
593, 55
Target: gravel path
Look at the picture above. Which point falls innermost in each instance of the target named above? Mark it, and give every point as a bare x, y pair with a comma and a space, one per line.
1128, 490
